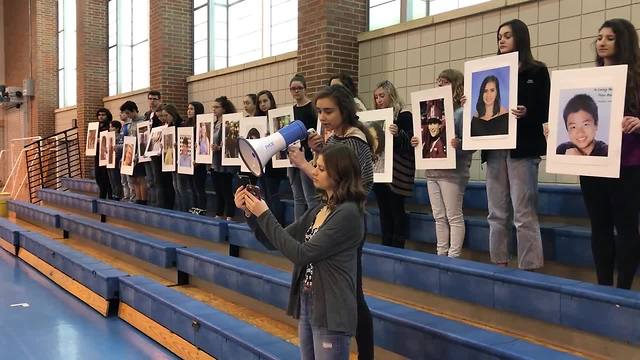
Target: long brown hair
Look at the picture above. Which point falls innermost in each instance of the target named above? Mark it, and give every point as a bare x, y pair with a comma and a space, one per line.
456, 78
343, 98
344, 170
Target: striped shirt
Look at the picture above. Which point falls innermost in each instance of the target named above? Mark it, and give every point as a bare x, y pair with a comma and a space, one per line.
357, 141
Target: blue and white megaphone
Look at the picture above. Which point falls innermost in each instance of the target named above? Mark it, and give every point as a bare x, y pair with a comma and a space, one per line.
256, 152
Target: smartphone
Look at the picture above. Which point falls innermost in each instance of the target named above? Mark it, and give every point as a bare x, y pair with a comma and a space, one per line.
244, 180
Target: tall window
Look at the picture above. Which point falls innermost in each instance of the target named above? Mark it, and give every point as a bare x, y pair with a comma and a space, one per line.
66, 53
383, 13
233, 32
128, 45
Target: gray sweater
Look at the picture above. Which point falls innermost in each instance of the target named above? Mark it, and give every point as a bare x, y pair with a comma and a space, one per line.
333, 250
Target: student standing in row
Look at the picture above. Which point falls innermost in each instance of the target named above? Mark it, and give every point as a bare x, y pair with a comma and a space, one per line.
512, 175
615, 203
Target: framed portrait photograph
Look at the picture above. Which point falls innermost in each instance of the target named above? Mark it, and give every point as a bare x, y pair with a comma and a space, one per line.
279, 118
169, 149
491, 89
377, 123
254, 127
586, 109
204, 130
128, 155
103, 156
433, 124
154, 147
230, 134
143, 130
111, 149
92, 138
185, 150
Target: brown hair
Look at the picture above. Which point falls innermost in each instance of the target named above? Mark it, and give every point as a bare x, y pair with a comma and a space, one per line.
344, 170
456, 78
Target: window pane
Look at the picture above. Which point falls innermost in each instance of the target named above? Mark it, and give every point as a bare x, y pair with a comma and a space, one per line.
198, 3
440, 6
113, 20
61, 88
141, 20
220, 62
70, 87
386, 14
124, 69
417, 9
284, 32
124, 22
200, 16
277, 49
113, 71
463, 3
141, 66
200, 32
245, 25
284, 12
200, 49
200, 66
61, 50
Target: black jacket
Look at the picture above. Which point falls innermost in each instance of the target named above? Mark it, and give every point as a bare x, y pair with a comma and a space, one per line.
534, 86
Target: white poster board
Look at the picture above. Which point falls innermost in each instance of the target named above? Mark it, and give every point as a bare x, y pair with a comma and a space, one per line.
254, 127
230, 134
279, 118
143, 130
434, 126
586, 109
491, 89
104, 149
92, 138
185, 150
128, 155
377, 123
154, 148
204, 133
111, 149
169, 149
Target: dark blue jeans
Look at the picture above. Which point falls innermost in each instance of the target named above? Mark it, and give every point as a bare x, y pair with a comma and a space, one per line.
319, 343
183, 184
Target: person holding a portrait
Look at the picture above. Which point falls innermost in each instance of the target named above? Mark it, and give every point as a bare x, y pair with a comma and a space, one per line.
491, 117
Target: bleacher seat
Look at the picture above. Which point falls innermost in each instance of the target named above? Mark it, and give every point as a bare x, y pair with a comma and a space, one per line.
88, 186
155, 251
397, 328
95, 275
200, 227
68, 199
9, 233
35, 213
219, 334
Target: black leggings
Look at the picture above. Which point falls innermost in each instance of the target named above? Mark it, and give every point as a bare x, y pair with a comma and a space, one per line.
393, 220
102, 179
614, 203
224, 194
199, 181
364, 331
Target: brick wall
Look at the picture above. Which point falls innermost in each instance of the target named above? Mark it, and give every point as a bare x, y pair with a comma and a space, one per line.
45, 66
327, 39
171, 48
93, 66
271, 74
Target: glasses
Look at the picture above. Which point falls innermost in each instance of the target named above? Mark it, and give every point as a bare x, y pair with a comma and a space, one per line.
296, 88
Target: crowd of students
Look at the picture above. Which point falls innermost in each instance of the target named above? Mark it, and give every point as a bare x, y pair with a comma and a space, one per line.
333, 173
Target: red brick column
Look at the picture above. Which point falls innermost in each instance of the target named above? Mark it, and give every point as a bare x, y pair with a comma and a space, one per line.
92, 66
327, 39
44, 44
171, 46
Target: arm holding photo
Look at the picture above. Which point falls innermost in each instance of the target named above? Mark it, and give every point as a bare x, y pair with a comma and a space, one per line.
581, 121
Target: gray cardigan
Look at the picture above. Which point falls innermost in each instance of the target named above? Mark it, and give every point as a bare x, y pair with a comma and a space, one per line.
333, 250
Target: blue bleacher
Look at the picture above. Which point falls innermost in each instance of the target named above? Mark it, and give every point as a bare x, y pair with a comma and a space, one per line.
397, 328
179, 222
88, 186
219, 334
10, 233
68, 199
35, 213
90, 272
155, 251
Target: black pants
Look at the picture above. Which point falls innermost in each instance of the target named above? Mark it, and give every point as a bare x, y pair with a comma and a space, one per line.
102, 179
364, 331
163, 184
199, 181
614, 203
224, 194
393, 220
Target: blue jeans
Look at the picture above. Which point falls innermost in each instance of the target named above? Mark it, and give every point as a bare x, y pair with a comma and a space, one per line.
319, 343
513, 182
183, 184
304, 193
